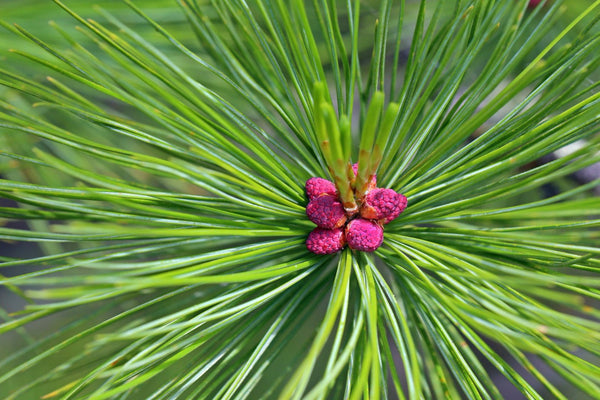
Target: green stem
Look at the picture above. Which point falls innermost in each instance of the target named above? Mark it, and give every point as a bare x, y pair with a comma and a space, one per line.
334, 139
367, 138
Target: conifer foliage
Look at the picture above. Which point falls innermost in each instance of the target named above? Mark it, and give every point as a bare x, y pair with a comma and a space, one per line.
155, 156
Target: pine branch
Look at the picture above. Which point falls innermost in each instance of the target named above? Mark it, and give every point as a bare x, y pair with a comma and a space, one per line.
157, 154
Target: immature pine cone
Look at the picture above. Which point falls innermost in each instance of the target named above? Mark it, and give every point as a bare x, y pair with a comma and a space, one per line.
398, 210
326, 211
326, 241
316, 187
364, 235
383, 204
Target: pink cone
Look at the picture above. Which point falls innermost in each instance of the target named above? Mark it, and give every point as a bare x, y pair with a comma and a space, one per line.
401, 207
364, 235
316, 187
326, 211
326, 241
383, 204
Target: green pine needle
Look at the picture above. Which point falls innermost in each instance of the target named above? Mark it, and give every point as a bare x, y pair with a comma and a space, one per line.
153, 157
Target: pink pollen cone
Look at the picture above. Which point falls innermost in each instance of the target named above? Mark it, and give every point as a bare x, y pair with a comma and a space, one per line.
326, 211
383, 204
364, 235
316, 187
401, 207
326, 241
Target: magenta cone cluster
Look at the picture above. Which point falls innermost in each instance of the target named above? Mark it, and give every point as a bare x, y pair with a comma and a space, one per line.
336, 229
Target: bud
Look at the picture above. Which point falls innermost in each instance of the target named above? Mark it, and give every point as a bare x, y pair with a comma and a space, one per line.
326, 241
382, 204
316, 187
326, 211
398, 210
364, 235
